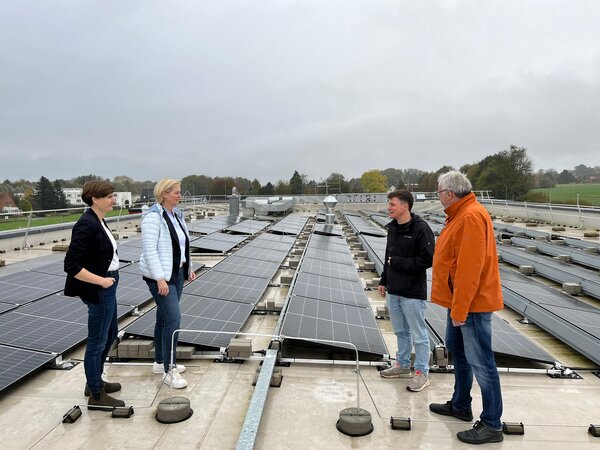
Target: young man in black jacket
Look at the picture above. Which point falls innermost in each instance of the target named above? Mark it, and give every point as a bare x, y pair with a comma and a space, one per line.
408, 255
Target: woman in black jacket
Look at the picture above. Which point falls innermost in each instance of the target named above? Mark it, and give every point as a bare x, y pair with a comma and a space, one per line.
92, 267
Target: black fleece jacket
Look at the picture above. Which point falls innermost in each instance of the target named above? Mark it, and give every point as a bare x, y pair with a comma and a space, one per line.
408, 255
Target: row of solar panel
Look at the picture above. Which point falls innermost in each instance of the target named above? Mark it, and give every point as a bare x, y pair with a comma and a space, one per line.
507, 340
327, 300
222, 299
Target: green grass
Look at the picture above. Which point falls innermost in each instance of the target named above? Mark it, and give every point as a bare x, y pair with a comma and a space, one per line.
16, 223
589, 193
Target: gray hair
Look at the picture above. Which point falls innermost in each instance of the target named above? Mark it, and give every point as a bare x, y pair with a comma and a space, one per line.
456, 182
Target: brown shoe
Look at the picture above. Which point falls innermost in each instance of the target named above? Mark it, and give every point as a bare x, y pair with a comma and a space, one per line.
108, 388
103, 401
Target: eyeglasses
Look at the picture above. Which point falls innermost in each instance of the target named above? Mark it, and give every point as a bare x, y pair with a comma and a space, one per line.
443, 190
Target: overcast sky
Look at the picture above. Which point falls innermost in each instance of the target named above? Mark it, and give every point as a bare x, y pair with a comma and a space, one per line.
260, 88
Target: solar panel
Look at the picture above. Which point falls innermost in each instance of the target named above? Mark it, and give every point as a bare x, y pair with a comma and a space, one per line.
362, 226
271, 245
264, 254
217, 242
55, 268
6, 307
17, 363
338, 247
328, 230
330, 289
60, 307
40, 333
332, 239
329, 269
38, 280
200, 313
129, 253
506, 339
249, 267
21, 294
315, 319
210, 225
225, 286
275, 238
290, 225
341, 258
249, 226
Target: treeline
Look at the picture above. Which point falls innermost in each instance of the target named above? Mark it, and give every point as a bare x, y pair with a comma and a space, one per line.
507, 174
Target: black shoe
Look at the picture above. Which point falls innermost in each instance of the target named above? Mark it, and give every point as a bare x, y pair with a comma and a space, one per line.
480, 434
108, 388
446, 409
103, 401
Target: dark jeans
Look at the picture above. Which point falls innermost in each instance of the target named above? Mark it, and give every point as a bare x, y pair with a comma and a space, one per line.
102, 331
471, 348
168, 319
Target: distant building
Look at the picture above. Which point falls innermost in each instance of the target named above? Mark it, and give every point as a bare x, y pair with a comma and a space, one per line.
7, 204
73, 196
123, 199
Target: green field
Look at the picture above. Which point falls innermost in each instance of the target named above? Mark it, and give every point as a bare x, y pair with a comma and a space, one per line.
18, 222
589, 193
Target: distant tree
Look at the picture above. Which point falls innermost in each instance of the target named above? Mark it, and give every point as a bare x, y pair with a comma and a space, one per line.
123, 183
565, 177
44, 197
81, 180
255, 187
336, 183
394, 177
223, 186
197, 184
244, 185
310, 187
267, 189
25, 205
355, 185
60, 199
429, 180
373, 181
411, 177
282, 188
295, 186
508, 174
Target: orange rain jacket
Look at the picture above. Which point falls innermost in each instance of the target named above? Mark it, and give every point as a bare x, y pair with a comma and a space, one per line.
465, 262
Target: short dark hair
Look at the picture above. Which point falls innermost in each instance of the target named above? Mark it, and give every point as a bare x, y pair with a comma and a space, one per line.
96, 189
404, 196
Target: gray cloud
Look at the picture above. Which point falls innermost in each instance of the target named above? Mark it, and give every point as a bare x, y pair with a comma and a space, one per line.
260, 89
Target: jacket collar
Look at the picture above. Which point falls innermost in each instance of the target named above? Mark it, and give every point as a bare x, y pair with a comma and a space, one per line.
453, 210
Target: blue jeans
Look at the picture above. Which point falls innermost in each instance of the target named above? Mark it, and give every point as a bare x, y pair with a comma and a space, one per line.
168, 319
408, 320
102, 332
471, 348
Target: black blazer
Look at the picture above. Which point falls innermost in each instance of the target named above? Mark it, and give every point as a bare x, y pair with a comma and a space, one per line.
91, 249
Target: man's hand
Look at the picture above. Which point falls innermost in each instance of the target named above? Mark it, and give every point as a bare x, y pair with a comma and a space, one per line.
163, 287
107, 282
456, 323
382, 290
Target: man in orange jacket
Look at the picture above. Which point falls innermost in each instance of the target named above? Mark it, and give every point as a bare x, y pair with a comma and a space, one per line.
466, 280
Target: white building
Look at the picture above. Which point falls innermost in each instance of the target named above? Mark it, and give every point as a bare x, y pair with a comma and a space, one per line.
73, 196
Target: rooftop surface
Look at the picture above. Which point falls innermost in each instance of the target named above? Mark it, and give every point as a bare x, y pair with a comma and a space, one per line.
302, 412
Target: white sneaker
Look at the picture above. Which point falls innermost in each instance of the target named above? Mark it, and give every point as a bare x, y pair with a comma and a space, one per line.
174, 380
159, 368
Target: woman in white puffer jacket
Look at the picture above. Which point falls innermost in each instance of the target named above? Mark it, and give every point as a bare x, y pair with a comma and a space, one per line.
165, 264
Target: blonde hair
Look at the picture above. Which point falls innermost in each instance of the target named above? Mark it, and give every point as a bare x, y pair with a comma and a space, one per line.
163, 187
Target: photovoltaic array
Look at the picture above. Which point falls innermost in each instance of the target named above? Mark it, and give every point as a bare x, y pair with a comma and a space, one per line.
324, 305
223, 298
